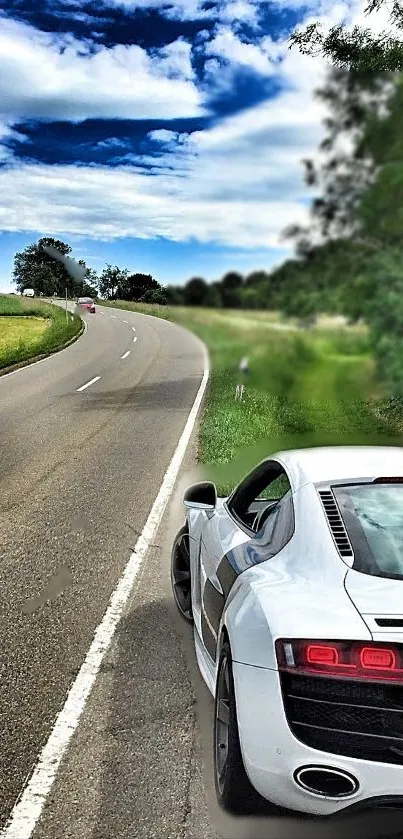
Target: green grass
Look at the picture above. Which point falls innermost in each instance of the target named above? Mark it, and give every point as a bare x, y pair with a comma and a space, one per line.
10, 305
306, 387
30, 328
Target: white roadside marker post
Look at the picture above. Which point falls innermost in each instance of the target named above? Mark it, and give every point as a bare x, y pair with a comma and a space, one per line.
244, 370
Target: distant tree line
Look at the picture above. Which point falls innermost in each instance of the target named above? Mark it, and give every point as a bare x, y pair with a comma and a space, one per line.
258, 290
34, 268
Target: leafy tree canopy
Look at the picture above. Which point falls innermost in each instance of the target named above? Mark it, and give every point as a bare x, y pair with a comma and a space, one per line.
356, 49
34, 268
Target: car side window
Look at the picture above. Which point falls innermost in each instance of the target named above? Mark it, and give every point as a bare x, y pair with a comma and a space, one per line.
278, 528
275, 489
266, 484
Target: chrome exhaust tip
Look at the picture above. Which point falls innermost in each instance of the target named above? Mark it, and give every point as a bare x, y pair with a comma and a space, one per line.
326, 782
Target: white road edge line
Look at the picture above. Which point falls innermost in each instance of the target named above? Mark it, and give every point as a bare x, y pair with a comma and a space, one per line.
20, 369
91, 382
27, 810
126, 354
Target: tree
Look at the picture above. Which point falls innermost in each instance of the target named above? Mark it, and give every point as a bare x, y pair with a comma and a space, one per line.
345, 167
195, 292
350, 256
256, 278
359, 49
212, 298
175, 295
34, 268
111, 280
380, 210
136, 286
252, 298
230, 287
90, 283
155, 295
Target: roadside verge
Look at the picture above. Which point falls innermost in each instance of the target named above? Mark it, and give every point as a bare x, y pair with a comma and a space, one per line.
31, 332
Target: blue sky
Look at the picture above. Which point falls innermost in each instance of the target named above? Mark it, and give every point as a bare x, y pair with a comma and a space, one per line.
162, 136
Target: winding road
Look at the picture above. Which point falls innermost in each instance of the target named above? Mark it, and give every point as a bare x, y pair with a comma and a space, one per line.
86, 439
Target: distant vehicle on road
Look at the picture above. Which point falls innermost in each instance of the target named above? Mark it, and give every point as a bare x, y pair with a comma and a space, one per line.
86, 303
294, 584
28, 292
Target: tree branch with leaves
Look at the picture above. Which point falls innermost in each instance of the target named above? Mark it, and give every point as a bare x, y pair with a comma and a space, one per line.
358, 49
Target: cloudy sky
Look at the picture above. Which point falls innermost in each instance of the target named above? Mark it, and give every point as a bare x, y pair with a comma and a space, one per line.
164, 136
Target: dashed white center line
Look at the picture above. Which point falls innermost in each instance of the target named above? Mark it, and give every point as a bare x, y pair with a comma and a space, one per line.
126, 321
126, 354
91, 382
114, 317
133, 328
134, 339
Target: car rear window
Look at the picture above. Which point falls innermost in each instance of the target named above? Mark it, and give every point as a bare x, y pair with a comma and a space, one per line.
373, 517
85, 300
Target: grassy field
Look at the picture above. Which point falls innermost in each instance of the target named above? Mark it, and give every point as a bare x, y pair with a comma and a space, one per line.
305, 387
30, 328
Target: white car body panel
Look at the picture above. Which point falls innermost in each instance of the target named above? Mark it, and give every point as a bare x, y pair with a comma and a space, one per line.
307, 590
337, 463
271, 753
375, 596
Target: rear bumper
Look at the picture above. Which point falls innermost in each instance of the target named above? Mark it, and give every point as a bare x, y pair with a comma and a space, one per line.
272, 753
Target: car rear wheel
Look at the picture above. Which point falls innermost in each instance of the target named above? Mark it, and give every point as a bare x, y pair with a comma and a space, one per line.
234, 790
180, 574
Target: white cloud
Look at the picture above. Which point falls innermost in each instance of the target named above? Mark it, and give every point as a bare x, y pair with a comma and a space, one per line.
162, 135
181, 9
168, 139
112, 143
233, 11
43, 76
108, 204
229, 46
173, 61
7, 132
269, 57
238, 184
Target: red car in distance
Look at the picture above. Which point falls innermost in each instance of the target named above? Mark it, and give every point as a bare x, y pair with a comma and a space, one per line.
86, 303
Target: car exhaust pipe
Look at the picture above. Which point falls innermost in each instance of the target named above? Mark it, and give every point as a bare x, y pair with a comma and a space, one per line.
326, 782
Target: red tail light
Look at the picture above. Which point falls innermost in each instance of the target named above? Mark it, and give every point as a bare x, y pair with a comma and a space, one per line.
378, 659
318, 654
344, 659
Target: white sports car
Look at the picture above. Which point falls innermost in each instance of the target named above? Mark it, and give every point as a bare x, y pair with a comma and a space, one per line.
295, 587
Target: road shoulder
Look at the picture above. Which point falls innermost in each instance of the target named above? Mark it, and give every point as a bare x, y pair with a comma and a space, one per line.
135, 766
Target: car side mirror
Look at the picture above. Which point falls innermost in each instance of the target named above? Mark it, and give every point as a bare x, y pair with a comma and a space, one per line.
201, 496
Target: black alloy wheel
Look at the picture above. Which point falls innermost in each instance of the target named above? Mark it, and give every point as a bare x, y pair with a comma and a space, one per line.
180, 574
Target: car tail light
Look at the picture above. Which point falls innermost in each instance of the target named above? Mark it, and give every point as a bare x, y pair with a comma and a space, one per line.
318, 654
344, 659
378, 659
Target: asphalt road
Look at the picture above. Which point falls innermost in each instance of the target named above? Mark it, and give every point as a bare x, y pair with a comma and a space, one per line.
79, 472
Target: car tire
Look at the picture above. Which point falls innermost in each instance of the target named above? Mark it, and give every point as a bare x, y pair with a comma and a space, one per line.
181, 575
234, 790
